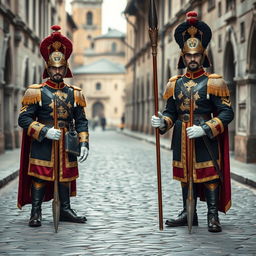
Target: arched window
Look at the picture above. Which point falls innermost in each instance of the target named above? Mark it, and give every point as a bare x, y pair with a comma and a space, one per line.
89, 18
113, 47
8, 67
27, 10
170, 9
26, 75
98, 86
34, 76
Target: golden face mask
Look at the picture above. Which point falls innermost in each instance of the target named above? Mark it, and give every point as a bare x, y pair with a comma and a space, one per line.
57, 59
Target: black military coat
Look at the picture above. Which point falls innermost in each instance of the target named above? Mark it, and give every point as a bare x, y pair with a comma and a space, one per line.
36, 117
212, 110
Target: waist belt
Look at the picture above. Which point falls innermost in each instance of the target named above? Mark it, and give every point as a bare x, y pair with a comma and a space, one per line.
61, 123
197, 117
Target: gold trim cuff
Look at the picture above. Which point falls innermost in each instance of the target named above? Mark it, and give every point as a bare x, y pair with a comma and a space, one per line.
169, 122
83, 137
216, 126
34, 129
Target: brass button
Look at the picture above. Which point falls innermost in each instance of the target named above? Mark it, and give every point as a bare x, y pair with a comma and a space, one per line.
185, 118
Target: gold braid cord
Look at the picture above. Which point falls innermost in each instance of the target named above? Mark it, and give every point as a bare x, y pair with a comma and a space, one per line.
170, 87
32, 95
79, 97
217, 86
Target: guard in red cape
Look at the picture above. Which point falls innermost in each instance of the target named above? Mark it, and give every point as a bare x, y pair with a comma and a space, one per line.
212, 113
37, 120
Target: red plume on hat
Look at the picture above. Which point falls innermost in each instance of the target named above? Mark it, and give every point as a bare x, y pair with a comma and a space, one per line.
192, 18
48, 45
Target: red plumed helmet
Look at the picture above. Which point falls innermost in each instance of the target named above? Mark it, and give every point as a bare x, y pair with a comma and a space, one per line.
192, 18
56, 42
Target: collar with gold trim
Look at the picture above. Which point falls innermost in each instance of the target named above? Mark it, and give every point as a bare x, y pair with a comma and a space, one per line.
55, 85
195, 74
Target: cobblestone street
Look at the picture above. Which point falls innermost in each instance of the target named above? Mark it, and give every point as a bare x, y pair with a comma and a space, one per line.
117, 190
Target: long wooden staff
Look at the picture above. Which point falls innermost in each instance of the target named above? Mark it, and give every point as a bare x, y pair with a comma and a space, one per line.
153, 34
56, 199
190, 203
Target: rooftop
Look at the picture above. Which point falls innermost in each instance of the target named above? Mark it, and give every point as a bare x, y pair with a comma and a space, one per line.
102, 66
112, 33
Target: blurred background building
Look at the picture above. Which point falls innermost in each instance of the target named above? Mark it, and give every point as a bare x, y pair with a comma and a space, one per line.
232, 53
100, 63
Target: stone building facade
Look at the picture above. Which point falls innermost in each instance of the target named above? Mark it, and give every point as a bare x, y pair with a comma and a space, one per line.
87, 14
22, 26
231, 52
99, 61
103, 79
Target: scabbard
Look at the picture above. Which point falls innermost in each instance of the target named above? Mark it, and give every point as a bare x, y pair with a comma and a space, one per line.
214, 159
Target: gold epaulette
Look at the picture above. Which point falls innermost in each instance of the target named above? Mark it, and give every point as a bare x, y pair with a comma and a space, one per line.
32, 95
76, 87
78, 96
217, 86
170, 87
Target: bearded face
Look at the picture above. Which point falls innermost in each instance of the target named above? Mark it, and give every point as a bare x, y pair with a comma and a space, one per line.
193, 61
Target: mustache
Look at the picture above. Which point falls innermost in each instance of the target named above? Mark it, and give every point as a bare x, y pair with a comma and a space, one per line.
193, 62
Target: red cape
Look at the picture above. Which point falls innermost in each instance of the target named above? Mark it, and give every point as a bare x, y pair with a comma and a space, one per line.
24, 189
225, 189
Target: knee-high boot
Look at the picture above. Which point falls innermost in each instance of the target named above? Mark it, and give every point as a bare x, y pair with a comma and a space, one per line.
66, 213
37, 193
212, 198
181, 219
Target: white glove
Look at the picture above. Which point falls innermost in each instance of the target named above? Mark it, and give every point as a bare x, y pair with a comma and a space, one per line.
158, 121
195, 131
53, 134
83, 154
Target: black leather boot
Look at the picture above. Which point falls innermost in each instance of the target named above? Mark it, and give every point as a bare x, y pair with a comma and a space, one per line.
212, 198
66, 213
37, 193
181, 219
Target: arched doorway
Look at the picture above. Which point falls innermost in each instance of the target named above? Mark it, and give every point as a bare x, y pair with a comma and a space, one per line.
229, 74
251, 98
210, 56
143, 121
251, 56
136, 125
8, 106
97, 109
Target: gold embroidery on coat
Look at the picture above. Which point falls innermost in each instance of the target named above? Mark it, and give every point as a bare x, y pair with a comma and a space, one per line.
180, 96
61, 95
226, 101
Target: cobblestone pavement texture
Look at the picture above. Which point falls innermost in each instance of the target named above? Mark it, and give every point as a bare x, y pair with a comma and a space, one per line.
117, 190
